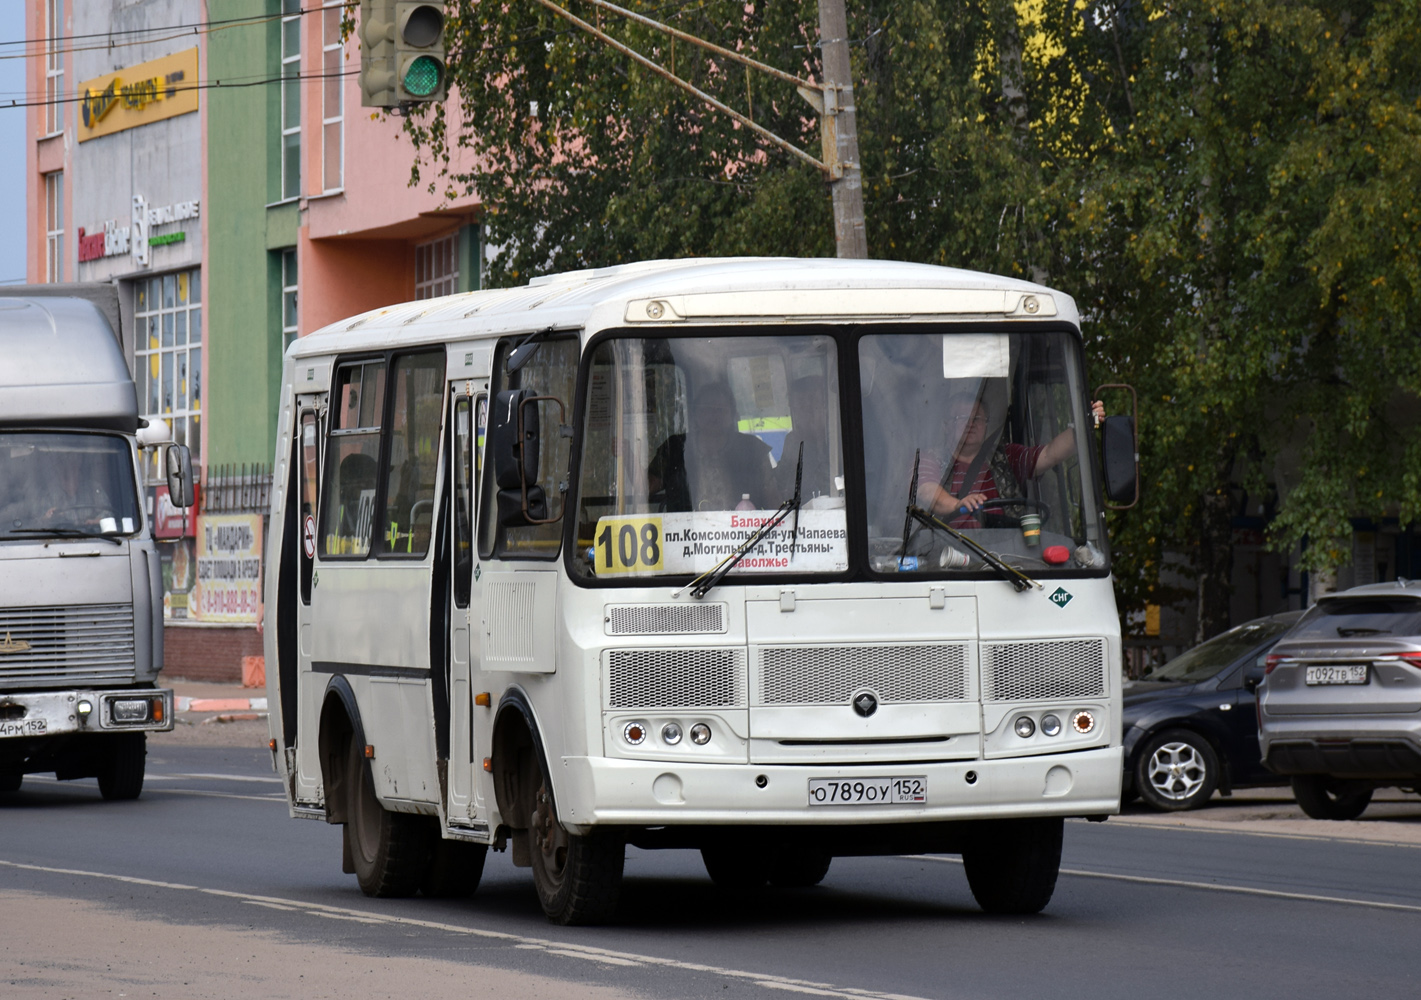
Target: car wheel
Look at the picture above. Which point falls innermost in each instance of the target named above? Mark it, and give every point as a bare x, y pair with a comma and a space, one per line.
578, 877
1012, 864
1176, 770
1325, 797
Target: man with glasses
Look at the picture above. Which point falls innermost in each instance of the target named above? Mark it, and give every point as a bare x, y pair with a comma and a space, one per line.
942, 484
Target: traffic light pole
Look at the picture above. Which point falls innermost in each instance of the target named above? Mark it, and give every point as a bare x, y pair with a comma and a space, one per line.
840, 130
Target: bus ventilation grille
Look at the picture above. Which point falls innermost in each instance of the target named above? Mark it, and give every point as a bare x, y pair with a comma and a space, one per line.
829, 675
1032, 671
665, 619
676, 678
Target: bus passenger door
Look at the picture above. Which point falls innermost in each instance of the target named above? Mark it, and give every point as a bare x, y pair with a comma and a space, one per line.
468, 735
295, 696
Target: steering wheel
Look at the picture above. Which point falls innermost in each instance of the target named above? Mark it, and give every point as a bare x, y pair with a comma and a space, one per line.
1015, 502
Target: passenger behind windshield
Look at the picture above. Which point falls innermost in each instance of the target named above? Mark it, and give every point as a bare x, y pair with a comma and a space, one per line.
997, 474
712, 466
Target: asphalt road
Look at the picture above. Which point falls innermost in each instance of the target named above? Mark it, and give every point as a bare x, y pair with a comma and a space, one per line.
204, 887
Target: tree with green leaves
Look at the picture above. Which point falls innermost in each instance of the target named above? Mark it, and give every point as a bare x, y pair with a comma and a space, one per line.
1225, 186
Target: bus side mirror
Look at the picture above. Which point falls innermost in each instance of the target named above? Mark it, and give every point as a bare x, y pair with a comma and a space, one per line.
180, 488
515, 440
1120, 453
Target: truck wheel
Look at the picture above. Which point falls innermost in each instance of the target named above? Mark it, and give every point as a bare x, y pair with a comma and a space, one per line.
120, 767
578, 878
389, 850
455, 869
1012, 864
735, 867
799, 869
1326, 797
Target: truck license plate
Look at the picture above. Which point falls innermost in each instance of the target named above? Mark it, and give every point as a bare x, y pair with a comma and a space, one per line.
1348, 673
25, 727
868, 791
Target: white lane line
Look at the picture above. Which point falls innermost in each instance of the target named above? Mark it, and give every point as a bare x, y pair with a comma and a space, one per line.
220, 777
560, 948
1190, 828
1245, 890
176, 791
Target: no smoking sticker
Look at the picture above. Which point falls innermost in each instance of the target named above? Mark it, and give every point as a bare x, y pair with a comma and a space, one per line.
309, 539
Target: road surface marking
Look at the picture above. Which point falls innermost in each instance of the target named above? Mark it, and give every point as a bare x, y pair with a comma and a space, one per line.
560, 948
1190, 828
1306, 897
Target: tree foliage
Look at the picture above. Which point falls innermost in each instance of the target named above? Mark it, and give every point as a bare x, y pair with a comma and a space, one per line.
1226, 186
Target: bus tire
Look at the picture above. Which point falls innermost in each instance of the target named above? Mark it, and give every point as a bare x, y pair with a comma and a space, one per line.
455, 869
1012, 864
735, 868
389, 850
578, 877
799, 869
120, 766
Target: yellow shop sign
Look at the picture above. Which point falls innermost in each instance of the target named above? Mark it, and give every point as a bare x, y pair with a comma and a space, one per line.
138, 95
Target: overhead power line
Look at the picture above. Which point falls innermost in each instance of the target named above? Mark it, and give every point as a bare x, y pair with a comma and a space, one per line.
209, 85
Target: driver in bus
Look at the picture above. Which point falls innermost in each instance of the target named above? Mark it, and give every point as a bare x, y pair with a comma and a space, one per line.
712, 466
943, 486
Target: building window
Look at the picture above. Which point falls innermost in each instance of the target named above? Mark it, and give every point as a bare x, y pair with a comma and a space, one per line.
290, 99
288, 298
332, 99
54, 226
54, 66
436, 268
167, 313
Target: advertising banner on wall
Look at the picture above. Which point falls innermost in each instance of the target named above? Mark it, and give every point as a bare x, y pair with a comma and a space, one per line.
138, 95
229, 569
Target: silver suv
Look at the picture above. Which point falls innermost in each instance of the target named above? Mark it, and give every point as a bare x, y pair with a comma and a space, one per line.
1340, 707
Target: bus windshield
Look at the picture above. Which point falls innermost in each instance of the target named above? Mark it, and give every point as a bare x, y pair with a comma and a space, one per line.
61, 484
981, 430
691, 443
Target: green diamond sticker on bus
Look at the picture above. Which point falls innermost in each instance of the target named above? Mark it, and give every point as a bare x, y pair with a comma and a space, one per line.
1060, 598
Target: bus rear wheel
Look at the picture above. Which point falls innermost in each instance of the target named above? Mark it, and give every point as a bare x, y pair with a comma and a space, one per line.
1012, 864
578, 877
389, 850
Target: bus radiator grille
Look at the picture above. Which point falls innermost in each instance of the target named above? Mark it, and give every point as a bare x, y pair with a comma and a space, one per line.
828, 675
82, 644
1032, 671
665, 619
676, 678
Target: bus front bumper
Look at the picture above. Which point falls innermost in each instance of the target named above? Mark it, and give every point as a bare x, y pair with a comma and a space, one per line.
603, 791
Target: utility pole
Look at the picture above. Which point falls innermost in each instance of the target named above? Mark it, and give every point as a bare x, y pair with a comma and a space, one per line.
841, 138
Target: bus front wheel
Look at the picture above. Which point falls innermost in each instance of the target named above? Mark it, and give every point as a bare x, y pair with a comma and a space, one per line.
389, 850
1012, 864
578, 877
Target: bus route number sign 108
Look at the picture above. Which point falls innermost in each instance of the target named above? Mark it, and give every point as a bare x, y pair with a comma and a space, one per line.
628, 545
868, 791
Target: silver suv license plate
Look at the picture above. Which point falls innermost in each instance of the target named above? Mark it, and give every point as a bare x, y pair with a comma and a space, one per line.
1349, 673
868, 791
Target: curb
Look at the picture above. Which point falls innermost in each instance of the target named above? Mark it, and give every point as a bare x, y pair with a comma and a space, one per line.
221, 704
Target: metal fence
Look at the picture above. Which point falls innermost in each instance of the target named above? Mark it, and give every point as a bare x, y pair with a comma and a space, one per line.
237, 488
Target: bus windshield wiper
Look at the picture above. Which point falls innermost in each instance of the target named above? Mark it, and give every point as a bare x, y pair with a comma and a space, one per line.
702, 584
1011, 574
64, 533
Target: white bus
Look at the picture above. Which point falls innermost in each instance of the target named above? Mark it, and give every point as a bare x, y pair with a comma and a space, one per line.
776, 559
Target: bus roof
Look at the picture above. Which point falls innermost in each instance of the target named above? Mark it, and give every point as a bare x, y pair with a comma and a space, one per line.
700, 290
61, 366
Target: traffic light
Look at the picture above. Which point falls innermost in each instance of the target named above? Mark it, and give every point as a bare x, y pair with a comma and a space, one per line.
420, 73
401, 53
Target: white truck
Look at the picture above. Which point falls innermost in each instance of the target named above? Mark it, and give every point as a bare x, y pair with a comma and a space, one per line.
81, 604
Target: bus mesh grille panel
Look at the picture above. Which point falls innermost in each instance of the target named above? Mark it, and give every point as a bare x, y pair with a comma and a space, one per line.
818, 675
665, 619
676, 678
1029, 671
83, 644
509, 609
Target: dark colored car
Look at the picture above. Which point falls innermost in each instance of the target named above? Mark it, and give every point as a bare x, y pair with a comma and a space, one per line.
1191, 724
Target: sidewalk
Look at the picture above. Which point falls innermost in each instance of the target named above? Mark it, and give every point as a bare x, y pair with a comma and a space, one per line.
202, 701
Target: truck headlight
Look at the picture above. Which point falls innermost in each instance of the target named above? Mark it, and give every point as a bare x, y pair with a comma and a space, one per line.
130, 709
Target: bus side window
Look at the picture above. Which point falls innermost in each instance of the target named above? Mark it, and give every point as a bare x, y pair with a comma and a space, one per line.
408, 519
462, 468
552, 371
347, 508
310, 490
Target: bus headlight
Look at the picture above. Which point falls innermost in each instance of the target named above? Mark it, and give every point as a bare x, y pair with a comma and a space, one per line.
700, 734
1024, 726
1083, 722
1050, 725
635, 733
671, 734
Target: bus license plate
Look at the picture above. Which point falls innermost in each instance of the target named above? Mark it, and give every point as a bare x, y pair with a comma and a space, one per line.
1349, 673
868, 791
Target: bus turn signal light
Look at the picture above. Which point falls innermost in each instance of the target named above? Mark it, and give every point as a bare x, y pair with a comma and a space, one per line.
482, 699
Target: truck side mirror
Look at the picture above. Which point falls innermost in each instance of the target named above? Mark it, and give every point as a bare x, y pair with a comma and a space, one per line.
515, 440
180, 487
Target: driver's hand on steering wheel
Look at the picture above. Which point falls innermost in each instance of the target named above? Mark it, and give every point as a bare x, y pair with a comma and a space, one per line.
970, 502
